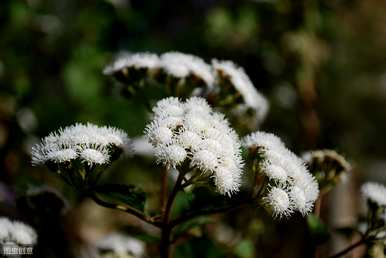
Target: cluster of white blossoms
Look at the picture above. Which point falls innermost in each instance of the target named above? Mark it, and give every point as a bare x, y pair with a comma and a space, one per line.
292, 187
374, 192
244, 86
121, 245
175, 64
191, 131
181, 66
16, 233
136, 61
89, 143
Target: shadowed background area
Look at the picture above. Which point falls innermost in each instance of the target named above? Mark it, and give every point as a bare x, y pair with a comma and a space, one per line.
320, 63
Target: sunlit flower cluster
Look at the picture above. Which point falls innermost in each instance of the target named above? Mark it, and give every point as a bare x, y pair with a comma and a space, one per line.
374, 192
15, 232
292, 187
220, 79
175, 64
330, 157
182, 65
242, 84
136, 61
191, 131
89, 143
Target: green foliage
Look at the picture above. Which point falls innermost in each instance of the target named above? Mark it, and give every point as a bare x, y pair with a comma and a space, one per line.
126, 194
317, 229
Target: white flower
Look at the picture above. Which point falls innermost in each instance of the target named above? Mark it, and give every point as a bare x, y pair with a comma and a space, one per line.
374, 192
59, 156
89, 143
5, 228
181, 65
285, 170
122, 245
243, 85
23, 234
327, 160
16, 232
93, 156
263, 139
198, 135
137, 61
279, 201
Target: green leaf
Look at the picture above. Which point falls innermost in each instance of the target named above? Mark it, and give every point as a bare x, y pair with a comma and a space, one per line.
318, 230
126, 194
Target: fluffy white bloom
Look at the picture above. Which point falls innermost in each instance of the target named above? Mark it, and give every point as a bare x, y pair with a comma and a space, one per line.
374, 192
16, 232
63, 155
286, 171
23, 234
242, 84
87, 142
92, 156
5, 227
181, 65
191, 131
122, 245
137, 61
279, 200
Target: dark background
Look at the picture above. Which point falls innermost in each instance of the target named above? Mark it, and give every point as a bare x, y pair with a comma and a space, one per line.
322, 65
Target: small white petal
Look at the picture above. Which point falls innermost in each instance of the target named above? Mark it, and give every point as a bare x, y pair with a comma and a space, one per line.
23, 234
279, 201
375, 192
94, 157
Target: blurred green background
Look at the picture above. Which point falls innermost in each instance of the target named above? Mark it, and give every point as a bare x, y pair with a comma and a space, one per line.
321, 63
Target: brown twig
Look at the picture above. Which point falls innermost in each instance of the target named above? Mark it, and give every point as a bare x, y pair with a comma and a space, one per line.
166, 229
349, 248
164, 189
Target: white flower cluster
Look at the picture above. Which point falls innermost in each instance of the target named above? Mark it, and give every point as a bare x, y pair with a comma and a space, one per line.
178, 65
122, 245
16, 232
293, 188
181, 66
374, 192
191, 131
89, 143
244, 86
137, 61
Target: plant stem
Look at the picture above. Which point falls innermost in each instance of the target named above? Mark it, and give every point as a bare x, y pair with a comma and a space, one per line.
166, 229
126, 209
349, 248
164, 189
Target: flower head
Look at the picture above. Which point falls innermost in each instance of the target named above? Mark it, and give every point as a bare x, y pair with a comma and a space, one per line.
374, 192
241, 83
329, 165
286, 172
191, 131
134, 61
89, 143
16, 232
181, 65
279, 200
